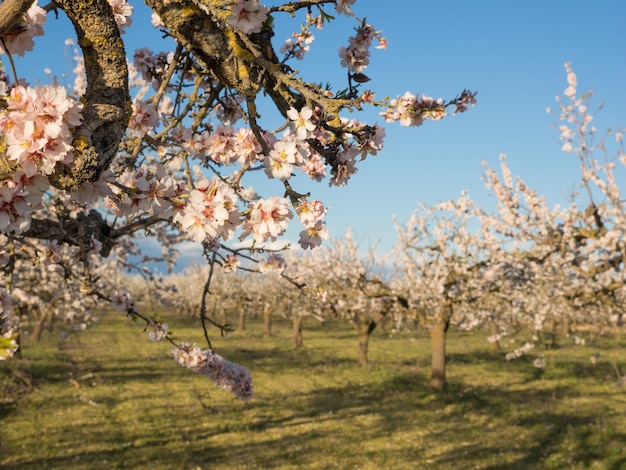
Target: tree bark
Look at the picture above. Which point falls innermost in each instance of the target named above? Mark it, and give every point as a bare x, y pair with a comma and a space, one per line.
11, 11
267, 322
438, 364
297, 331
493, 330
39, 325
241, 325
365, 332
107, 104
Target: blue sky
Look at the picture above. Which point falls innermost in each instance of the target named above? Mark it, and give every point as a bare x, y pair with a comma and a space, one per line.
511, 52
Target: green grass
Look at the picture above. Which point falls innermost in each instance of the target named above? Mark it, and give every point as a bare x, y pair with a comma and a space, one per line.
111, 399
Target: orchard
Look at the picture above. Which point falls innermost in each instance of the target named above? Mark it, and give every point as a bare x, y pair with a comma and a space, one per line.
144, 151
162, 142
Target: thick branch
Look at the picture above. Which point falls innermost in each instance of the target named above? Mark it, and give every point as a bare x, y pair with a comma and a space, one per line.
219, 50
77, 232
11, 11
107, 104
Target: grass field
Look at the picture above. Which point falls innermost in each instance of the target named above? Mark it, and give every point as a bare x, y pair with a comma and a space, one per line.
111, 399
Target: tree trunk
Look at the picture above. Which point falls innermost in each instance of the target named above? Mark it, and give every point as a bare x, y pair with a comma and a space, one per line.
297, 331
365, 331
438, 365
493, 330
37, 329
18, 351
39, 326
267, 322
554, 335
242, 320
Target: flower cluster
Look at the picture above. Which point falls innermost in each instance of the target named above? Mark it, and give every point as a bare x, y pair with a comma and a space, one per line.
311, 214
19, 196
144, 118
413, 110
157, 331
267, 219
227, 375
301, 42
37, 124
19, 39
122, 301
355, 57
211, 212
274, 263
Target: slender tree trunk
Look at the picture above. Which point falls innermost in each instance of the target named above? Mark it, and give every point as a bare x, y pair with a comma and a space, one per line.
297, 330
438, 365
267, 321
553, 335
493, 330
365, 332
241, 326
38, 328
18, 351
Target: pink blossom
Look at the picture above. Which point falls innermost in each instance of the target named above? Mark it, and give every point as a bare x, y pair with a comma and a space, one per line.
122, 301
19, 196
283, 155
144, 118
274, 263
343, 6
310, 212
37, 124
122, 12
267, 219
227, 375
247, 16
211, 211
157, 331
313, 235
300, 122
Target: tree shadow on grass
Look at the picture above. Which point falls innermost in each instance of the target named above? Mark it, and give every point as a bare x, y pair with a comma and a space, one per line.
560, 439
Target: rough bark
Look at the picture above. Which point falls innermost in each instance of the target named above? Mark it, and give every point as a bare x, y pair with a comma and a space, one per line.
239, 65
267, 322
39, 326
493, 330
438, 362
107, 105
297, 331
365, 332
11, 11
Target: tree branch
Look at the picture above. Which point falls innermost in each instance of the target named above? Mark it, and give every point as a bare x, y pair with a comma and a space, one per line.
10, 12
107, 105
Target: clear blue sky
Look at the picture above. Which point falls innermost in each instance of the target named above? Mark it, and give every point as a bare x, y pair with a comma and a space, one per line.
511, 52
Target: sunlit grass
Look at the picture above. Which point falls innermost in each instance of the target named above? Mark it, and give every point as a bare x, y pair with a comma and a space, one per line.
111, 399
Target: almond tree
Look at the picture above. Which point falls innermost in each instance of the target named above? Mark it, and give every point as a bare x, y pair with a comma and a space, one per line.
167, 143
346, 284
567, 262
442, 252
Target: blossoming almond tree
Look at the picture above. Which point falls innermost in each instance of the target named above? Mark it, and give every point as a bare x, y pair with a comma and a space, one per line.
166, 143
344, 283
442, 251
524, 265
572, 256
